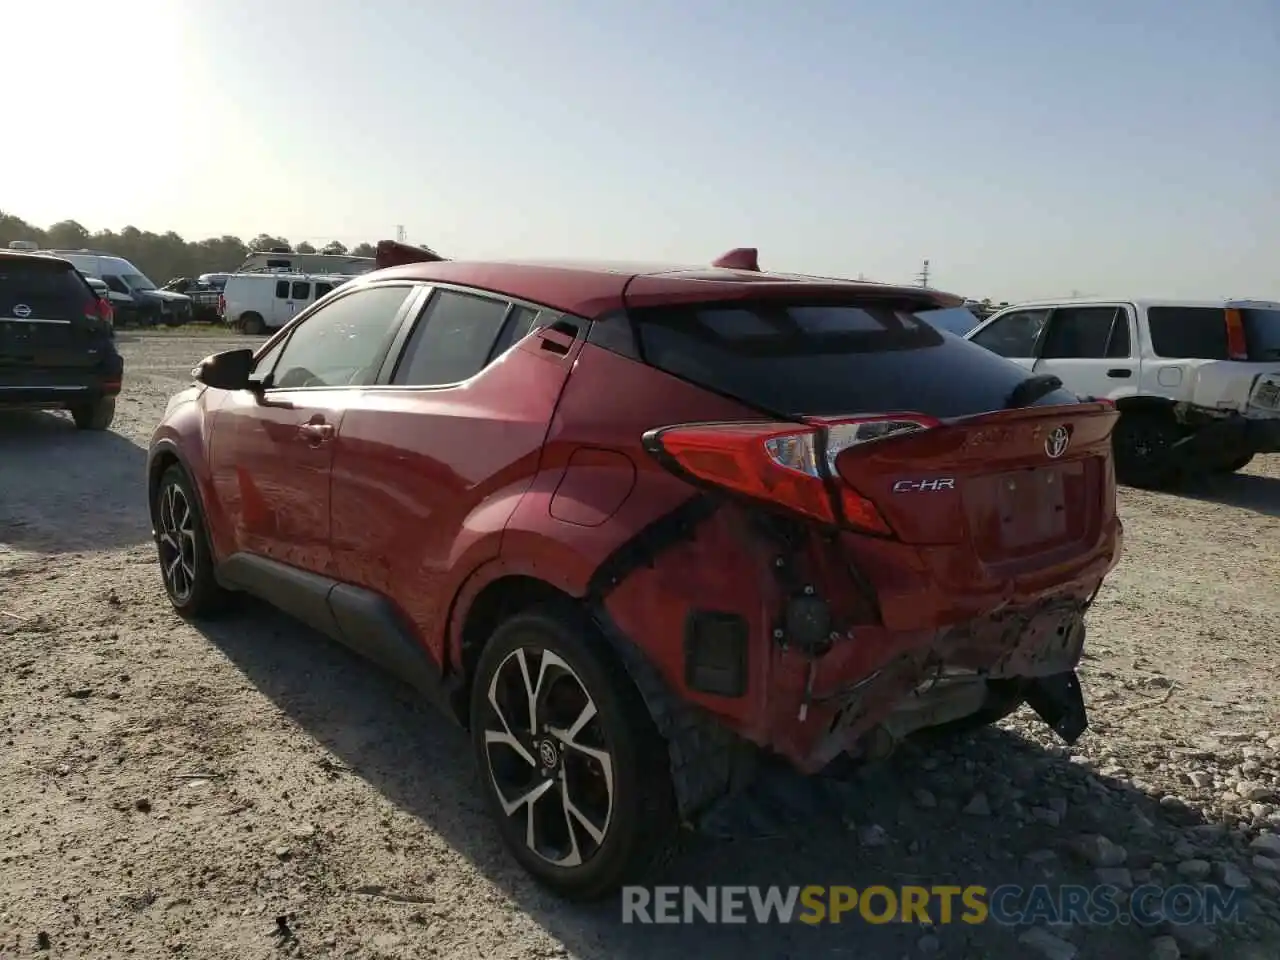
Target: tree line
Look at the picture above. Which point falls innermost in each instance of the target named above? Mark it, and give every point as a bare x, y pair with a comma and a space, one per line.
161, 256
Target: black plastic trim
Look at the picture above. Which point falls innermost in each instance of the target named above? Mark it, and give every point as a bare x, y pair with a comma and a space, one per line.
643, 549
360, 619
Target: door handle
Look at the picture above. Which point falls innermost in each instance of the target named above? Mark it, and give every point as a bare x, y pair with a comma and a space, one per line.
316, 432
1119, 373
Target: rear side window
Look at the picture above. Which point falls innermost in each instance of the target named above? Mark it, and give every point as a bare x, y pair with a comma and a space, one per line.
48, 290
301, 291
1262, 333
796, 360
282, 289
322, 289
1188, 333
521, 322
452, 341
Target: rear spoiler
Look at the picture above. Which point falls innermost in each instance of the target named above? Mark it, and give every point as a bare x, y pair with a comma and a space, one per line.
392, 253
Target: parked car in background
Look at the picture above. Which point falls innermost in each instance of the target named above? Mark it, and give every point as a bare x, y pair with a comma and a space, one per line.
215, 280
140, 301
1197, 384
204, 297
255, 303
630, 525
56, 347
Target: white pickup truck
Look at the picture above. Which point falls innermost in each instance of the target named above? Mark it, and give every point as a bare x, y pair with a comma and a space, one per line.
1197, 383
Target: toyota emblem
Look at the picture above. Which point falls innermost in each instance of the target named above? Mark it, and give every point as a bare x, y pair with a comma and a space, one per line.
21, 311
1055, 445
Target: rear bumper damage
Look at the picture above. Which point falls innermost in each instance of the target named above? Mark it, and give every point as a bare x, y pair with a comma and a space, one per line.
1029, 654
1216, 438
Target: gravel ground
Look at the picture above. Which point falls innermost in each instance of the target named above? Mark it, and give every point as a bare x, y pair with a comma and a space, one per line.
250, 789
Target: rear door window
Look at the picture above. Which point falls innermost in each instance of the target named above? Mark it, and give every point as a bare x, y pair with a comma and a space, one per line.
452, 341
282, 289
301, 291
1188, 333
1015, 334
1087, 333
41, 289
827, 360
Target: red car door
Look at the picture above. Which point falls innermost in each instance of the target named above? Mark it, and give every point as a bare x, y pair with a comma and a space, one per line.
430, 465
271, 452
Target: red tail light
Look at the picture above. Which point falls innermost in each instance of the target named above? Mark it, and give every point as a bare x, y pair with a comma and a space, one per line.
1237, 346
98, 310
222, 305
790, 465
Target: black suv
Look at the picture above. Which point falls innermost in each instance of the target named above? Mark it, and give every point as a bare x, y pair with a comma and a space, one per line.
56, 349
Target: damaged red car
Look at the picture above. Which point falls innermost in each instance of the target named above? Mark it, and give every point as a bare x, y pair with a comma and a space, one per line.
631, 525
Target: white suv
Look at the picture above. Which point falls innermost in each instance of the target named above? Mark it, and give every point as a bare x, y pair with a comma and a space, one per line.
1197, 384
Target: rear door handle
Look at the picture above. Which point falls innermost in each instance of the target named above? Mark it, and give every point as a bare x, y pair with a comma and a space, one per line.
1119, 373
316, 432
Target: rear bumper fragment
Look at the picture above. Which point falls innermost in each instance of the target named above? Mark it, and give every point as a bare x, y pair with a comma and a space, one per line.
1233, 436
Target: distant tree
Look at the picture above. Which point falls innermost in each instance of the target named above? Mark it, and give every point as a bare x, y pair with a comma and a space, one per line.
304, 247
334, 248
363, 250
67, 235
264, 241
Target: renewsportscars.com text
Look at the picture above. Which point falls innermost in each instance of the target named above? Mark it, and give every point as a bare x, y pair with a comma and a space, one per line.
1008, 904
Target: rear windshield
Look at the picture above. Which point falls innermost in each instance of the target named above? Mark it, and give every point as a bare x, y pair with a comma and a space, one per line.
49, 290
826, 360
1200, 333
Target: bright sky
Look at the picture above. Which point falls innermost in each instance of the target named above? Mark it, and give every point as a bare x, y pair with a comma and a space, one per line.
1027, 149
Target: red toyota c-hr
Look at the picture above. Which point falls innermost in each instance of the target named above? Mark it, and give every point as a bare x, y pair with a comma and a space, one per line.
632, 524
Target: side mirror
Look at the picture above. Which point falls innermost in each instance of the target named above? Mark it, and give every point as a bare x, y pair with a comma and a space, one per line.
226, 371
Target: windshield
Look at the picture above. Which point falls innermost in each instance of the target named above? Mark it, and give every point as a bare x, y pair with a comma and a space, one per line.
1262, 333
136, 281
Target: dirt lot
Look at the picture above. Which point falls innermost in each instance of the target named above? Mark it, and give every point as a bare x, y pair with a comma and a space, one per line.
172, 790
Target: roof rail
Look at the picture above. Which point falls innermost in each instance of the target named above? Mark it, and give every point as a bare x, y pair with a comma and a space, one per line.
739, 258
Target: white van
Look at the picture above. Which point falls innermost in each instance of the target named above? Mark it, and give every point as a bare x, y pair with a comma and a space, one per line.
136, 299
255, 303
284, 261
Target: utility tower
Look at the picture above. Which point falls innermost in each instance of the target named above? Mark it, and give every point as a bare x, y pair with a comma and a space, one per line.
922, 277
400, 234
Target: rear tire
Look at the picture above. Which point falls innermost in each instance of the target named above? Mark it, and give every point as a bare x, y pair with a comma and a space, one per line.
590, 747
182, 542
1003, 698
1239, 463
96, 415
251, 324
1143, 443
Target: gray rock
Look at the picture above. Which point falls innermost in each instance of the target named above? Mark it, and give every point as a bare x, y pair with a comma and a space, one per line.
1255, 790
1267, 864
928, 944
1233, 877
978, 806
1047, 945
1118, 877
925, 799
1047, 816
1058, 805
1267, 844
1165, 948
873, 836
1099, 851
1201, 779
1194, 869
1194, 940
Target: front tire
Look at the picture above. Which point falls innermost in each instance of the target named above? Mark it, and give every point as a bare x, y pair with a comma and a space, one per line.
97, 415
573, 769
1143, 444
182, 541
